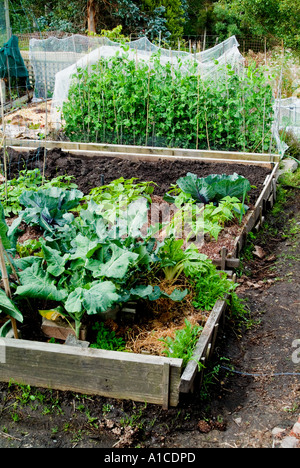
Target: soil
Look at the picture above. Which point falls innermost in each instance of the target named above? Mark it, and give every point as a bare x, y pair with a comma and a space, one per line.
88, 170
242, 398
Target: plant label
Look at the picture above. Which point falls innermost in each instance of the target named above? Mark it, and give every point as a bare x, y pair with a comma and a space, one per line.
296, 353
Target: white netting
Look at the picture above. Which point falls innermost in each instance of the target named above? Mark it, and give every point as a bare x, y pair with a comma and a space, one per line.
288, 115
55, 61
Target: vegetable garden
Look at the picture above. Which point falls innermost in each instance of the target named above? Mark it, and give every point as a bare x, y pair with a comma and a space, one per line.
108, 263
132, 249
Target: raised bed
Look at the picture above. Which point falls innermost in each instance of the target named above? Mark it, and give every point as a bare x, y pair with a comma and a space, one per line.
122, 375
65, 156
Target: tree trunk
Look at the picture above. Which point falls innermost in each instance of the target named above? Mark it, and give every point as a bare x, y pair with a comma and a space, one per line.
91, 16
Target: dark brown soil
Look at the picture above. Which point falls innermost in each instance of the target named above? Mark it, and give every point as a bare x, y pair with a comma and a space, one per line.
88, 171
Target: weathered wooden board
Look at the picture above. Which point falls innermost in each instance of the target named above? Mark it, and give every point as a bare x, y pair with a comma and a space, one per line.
255, 216
120, 375
147, 152
204, 346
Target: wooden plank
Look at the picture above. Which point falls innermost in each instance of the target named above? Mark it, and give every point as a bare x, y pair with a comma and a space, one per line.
92, 149
91, 371
229, 262
202, 347
139, 157
252, 217
19, 102
166, 385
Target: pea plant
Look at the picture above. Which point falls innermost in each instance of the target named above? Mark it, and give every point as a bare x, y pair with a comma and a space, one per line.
124, 101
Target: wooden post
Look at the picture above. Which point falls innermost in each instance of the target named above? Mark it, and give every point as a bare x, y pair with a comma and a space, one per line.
7, 20
166, 385
6, 286
2, 84
223, 258
2, 102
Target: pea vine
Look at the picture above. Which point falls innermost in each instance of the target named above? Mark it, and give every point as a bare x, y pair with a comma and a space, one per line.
125, 101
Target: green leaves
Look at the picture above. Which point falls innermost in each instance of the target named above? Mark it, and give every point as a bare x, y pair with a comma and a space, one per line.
153, 293
198, 188
183, 344
4, 230
38, 284
214, 187
55, 262
124, 101
99, 298
47, 207
28, 180
118, 264
84, 247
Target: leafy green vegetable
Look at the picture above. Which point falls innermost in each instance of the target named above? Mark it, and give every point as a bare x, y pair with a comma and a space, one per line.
36, 283
4, 230
5, 329
123, 190
107, 339
28, 180
100, 297
183, 344
214, 187
121, 101
89, 265
29, 247
8, 307
47, 207
209, 288
118, 264
175, 260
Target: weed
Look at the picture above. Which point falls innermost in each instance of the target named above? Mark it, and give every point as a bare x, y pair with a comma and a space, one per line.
91, 420
135, 419
211, 287
107, 339
183, 344
106, 408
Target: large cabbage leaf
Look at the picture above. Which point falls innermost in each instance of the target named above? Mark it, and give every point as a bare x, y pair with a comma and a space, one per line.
214, 187
47, 207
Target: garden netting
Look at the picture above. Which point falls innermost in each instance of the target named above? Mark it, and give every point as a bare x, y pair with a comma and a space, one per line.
288, 112
55, 61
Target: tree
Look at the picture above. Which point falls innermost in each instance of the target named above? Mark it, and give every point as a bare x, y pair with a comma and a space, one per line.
274, 18
91, 16
199, 17
174, 13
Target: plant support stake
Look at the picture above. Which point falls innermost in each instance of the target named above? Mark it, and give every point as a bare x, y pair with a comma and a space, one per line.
6, 286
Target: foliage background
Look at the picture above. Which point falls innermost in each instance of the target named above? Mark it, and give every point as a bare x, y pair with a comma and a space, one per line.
175, 19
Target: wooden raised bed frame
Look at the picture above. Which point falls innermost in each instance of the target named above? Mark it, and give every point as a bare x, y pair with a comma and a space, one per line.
122, 375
